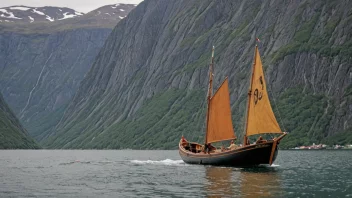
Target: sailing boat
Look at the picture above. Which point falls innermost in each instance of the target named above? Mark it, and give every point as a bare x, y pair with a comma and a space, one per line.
260, 120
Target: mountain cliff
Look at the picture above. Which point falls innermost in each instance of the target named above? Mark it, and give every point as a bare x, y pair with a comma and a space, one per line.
42, 64
12, 134
148, 84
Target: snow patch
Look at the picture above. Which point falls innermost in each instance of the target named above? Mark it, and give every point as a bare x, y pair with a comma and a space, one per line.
122, 10
78, 13
108, 14
67, 15
115, 6
19, 8
38, 12
49, 18
4, 11
11, 16
121, 17
30, 18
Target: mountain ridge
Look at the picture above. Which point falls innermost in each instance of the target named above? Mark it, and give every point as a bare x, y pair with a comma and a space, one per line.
103, 17
18, 13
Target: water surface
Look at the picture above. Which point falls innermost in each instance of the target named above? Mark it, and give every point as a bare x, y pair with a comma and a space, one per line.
129, 173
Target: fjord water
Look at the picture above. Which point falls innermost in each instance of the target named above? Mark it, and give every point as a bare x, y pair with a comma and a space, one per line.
130, 173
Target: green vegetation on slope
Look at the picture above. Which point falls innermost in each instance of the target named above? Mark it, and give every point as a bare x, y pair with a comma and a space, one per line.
158, 124
12, 135
305, 115
45, 123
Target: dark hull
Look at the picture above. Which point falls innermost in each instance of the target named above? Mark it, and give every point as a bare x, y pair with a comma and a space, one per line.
250, 155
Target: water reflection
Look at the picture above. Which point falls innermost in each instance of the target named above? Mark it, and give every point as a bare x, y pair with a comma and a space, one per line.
260, 182
232, 182
219, 182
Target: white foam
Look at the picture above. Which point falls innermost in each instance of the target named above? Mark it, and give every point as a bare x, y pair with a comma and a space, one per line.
275, 165
167, 162
19, 8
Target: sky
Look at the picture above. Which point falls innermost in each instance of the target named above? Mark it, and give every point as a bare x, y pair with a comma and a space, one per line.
79, 5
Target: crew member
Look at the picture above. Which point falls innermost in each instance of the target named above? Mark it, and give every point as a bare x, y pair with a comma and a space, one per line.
232, 145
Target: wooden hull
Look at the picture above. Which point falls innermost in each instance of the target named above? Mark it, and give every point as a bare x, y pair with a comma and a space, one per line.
250, 155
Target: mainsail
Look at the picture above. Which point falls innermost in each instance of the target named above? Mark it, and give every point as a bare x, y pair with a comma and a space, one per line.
260, 116
219, 126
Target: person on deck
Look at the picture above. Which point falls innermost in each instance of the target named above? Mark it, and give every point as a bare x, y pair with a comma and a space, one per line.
183, 139
232, 145
208, 147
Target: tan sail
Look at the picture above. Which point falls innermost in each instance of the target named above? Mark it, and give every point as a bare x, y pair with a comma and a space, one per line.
260, 118
219, 126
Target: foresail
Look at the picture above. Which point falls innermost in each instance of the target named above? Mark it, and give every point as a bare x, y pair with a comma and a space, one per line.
220, 124
261, 118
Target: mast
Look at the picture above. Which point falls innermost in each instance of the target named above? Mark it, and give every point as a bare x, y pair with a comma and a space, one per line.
210, 91
249, 96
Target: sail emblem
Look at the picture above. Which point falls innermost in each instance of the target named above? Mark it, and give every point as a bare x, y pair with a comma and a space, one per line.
258, 95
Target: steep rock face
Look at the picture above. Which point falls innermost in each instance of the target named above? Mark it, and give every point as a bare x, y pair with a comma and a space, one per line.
12, 134
148, 83
40, 70
40, 73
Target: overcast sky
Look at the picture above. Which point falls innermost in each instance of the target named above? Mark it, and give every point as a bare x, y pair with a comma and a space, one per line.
79, 5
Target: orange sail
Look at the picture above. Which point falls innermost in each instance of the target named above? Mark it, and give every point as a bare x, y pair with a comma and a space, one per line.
220, 124
260, 118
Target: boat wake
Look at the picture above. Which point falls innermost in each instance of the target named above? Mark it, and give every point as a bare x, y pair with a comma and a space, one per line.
87, 162
275, 165
167, 162
75, 162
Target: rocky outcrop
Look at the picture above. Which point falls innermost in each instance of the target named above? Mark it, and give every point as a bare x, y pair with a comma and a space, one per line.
148, 83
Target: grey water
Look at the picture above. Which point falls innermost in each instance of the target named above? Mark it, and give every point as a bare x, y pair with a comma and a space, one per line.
131, 173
